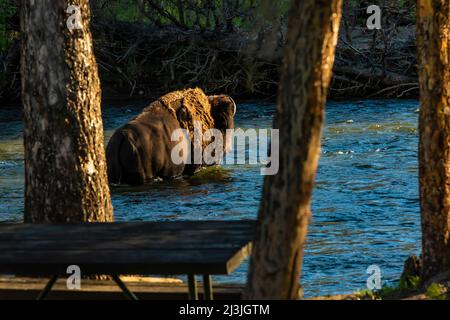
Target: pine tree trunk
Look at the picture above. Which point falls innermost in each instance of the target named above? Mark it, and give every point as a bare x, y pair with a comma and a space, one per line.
65, 166
285, 208
433, 42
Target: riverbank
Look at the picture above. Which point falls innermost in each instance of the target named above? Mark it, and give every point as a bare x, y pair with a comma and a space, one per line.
139, 59
148, 288
365, 67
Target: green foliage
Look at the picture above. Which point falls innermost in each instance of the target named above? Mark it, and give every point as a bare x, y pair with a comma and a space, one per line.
410, 283
123, 10
436, 292
197, 14
402, 289
7, 10
367, 295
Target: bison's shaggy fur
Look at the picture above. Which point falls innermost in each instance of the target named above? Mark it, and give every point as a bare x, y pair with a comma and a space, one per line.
192, 103
140, 151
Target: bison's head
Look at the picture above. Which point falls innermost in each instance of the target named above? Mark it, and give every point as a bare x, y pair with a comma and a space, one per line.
223, 109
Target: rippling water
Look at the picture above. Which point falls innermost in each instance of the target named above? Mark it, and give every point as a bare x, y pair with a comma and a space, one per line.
365, 205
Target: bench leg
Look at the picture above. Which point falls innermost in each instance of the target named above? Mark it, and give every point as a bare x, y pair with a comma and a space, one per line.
207, 286
128, 294
48, 287
192, 283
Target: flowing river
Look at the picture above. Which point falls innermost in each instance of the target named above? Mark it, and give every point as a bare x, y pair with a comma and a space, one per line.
365, 204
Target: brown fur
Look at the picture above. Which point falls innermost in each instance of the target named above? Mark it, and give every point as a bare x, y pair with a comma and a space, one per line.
140, 151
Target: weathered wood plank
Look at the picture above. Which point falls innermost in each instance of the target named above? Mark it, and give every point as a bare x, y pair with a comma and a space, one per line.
213, 262
211, 247
138, 225
128, 244
188, 235
114, 230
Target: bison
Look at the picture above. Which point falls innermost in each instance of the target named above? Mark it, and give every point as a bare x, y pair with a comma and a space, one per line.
140, 151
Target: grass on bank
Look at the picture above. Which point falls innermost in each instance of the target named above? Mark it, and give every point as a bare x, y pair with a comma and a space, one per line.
405, 289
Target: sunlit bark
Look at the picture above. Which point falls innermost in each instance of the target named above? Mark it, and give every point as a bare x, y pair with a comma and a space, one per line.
65, 167
433, 42
285, 207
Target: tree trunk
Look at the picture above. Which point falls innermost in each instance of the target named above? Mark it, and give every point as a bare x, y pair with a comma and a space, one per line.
285, 208
433, 42
65, 166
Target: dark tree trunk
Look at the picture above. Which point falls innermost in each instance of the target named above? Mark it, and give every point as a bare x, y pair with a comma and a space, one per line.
433, 42
65, 167
285, 208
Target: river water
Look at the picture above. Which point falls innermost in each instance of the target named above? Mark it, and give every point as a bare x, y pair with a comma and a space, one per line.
365, 205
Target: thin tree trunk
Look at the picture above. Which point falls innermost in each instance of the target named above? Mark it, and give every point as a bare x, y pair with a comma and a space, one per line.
65, 167
433, 42
285, 208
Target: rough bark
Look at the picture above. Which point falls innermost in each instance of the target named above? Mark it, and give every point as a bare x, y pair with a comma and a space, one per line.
65, 167
285, 208
433, 42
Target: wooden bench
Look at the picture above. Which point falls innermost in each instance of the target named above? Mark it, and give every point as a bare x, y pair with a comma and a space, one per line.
136, 248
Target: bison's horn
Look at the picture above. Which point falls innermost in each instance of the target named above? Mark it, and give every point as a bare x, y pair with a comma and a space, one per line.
235, 108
